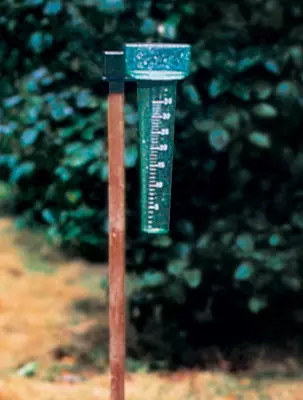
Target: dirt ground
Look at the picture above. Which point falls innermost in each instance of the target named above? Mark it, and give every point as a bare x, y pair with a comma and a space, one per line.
38, 318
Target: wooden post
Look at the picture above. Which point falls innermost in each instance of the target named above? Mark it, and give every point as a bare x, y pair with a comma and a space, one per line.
116, 239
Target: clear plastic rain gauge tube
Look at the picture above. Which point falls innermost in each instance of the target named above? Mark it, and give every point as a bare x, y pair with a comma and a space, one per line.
156, 68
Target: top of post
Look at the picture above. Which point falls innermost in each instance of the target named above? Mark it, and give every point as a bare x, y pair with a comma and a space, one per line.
113, 66
157, 61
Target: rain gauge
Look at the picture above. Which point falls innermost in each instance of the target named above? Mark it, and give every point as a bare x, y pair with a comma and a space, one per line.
156, 68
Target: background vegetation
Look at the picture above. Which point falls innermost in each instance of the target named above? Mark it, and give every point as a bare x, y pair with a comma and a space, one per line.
234, 249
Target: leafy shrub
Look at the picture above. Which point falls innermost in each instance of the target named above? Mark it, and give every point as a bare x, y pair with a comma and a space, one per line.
237, 215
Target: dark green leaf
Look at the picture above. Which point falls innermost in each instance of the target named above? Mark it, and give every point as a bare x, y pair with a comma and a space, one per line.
110, 6
275, 263
244, 271
73, 196
183, 250
63, 174
192, 94
263, 90
186, 228
59, 110
232, 120
83, 212
22, 170
260, 139
193, 278
12, 101
131, 115
225, 62
176, 267
131, 156
204, 241
84, 99
79, 155
72, 232
48, 216
40, 73
104, 173
275, 240
48, 40
218, 86
153, 279
241, 91
67, 132
245, 242
296, 53
227, 238
162, 241
9, 129
52, 7
169, 28
265, 111
247, 62
204, 125
29, 137
53, 234
33, 113
219, 139
205, 59
297, 165
273, 67
297, 220
209, 166
287, 89
293, 283
256, 304
148, 27
176, 291
88, 134
9, 160
34, 3
188, 9
6, 193
40, 41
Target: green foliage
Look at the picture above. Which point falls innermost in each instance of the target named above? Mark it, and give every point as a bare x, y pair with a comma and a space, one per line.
29, 369
237, 216
256, 304
244, 272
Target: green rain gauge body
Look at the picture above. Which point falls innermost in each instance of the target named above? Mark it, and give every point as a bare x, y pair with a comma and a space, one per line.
156, 68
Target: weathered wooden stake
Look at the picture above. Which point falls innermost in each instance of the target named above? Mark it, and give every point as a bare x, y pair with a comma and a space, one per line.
116, 237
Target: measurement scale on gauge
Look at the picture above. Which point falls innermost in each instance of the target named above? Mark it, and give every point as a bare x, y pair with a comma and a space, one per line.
156, 68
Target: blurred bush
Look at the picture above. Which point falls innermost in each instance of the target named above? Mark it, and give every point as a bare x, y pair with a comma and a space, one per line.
237, 211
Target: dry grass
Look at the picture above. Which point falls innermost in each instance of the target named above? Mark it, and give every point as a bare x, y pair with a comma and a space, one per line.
97, 388
34, 307
199, 386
